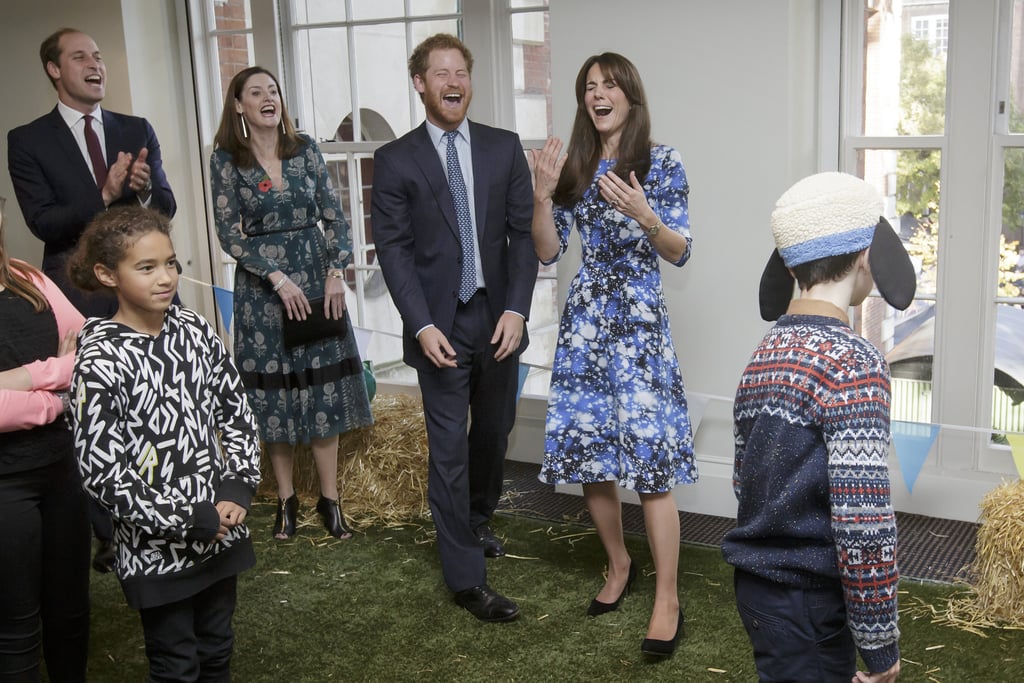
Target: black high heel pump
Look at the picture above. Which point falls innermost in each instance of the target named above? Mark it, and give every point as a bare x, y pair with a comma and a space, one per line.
334, 520
597, 608
663, 648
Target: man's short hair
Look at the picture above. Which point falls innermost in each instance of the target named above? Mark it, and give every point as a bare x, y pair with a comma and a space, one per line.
420, 57
49, 50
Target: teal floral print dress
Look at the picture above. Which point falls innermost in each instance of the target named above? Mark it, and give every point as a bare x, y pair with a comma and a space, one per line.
312, 391
617, 407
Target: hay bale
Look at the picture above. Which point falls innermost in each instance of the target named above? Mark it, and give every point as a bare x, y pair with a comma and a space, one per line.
382, 469
996, 576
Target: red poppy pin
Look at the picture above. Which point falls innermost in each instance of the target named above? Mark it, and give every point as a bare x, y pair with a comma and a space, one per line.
265, 185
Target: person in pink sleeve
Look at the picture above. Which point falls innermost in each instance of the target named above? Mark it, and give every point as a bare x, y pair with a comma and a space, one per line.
45, 575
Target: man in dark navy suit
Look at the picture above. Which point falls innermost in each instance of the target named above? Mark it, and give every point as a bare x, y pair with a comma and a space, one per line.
73, 163
77, 160
451, 209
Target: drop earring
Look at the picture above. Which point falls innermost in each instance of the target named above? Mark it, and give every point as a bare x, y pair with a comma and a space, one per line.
245, 131
284, 131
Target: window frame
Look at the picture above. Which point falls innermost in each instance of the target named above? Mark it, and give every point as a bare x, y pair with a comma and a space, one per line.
487, 31
970, 206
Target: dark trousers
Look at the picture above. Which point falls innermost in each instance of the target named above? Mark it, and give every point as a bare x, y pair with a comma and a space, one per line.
44, 576
798, 634
192, 639
469, 412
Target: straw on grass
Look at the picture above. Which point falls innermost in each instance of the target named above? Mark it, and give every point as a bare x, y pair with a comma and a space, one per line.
996, 577
382, 469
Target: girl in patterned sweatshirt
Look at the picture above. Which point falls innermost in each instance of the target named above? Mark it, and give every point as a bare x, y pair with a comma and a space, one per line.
166, 441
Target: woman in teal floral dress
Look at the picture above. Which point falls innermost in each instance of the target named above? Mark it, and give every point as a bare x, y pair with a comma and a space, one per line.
279, 217
617, 411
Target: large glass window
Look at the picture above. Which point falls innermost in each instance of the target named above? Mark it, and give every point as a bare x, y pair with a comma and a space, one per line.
344, 71
1008, 394
939, 143
234, 38
903, 106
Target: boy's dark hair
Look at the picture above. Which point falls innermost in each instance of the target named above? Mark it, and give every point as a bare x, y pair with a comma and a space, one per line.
108, 237
827, 269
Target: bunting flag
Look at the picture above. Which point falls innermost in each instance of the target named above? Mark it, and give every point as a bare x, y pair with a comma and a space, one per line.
696, 406
524, 370
913, 441
225, 304
1017, 447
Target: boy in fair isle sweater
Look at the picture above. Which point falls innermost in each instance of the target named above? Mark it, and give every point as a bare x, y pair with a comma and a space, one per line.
815, 540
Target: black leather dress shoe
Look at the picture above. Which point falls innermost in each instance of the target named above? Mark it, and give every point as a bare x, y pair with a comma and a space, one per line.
489, 542
486, 604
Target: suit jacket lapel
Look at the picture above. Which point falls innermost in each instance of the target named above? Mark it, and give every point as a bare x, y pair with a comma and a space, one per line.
425, 156
112, 139
65, 141
481, 175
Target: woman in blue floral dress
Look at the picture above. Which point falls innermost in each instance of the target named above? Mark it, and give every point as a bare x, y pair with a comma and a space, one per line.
617, 411
271, 193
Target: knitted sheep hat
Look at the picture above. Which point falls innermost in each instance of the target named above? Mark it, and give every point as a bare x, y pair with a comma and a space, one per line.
827, 214
830, 214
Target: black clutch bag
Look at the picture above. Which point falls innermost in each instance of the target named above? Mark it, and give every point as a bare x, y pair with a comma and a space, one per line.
315, 327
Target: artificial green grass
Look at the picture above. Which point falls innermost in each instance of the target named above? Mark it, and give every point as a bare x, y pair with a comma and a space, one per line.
374, 608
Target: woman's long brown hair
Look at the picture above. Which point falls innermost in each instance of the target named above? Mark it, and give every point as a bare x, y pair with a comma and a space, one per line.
584, 151
229, 135
16, 277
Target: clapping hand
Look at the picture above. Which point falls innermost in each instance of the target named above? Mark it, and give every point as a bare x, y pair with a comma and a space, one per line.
626, 198
139, 173
547, 167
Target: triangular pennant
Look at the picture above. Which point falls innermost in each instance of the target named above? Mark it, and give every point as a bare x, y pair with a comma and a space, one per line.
1017, 448
524, 370
363, 337
696, 406
225, 303
913, 441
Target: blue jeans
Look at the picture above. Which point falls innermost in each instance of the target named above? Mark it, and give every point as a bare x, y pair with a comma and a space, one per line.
798, 634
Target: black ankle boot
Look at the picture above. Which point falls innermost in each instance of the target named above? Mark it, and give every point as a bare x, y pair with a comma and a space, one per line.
284, 523
334, 521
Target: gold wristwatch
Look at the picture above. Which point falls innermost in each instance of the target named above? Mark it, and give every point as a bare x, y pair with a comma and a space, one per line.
653, 230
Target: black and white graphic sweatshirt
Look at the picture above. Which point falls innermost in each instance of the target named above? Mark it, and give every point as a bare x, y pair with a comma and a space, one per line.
163, 432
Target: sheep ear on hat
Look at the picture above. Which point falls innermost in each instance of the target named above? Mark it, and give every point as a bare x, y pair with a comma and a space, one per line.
891, 267
776, 288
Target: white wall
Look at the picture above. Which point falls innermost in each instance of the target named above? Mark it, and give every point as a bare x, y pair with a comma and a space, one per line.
732, 85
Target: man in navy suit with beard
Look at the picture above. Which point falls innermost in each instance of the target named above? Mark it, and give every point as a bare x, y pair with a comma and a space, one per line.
451, 209
70, 165
78, 160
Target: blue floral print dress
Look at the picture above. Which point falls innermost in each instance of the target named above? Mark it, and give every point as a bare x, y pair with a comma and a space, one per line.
311, 391
617, 408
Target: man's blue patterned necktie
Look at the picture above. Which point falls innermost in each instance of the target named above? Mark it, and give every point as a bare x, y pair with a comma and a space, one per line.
467, 283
